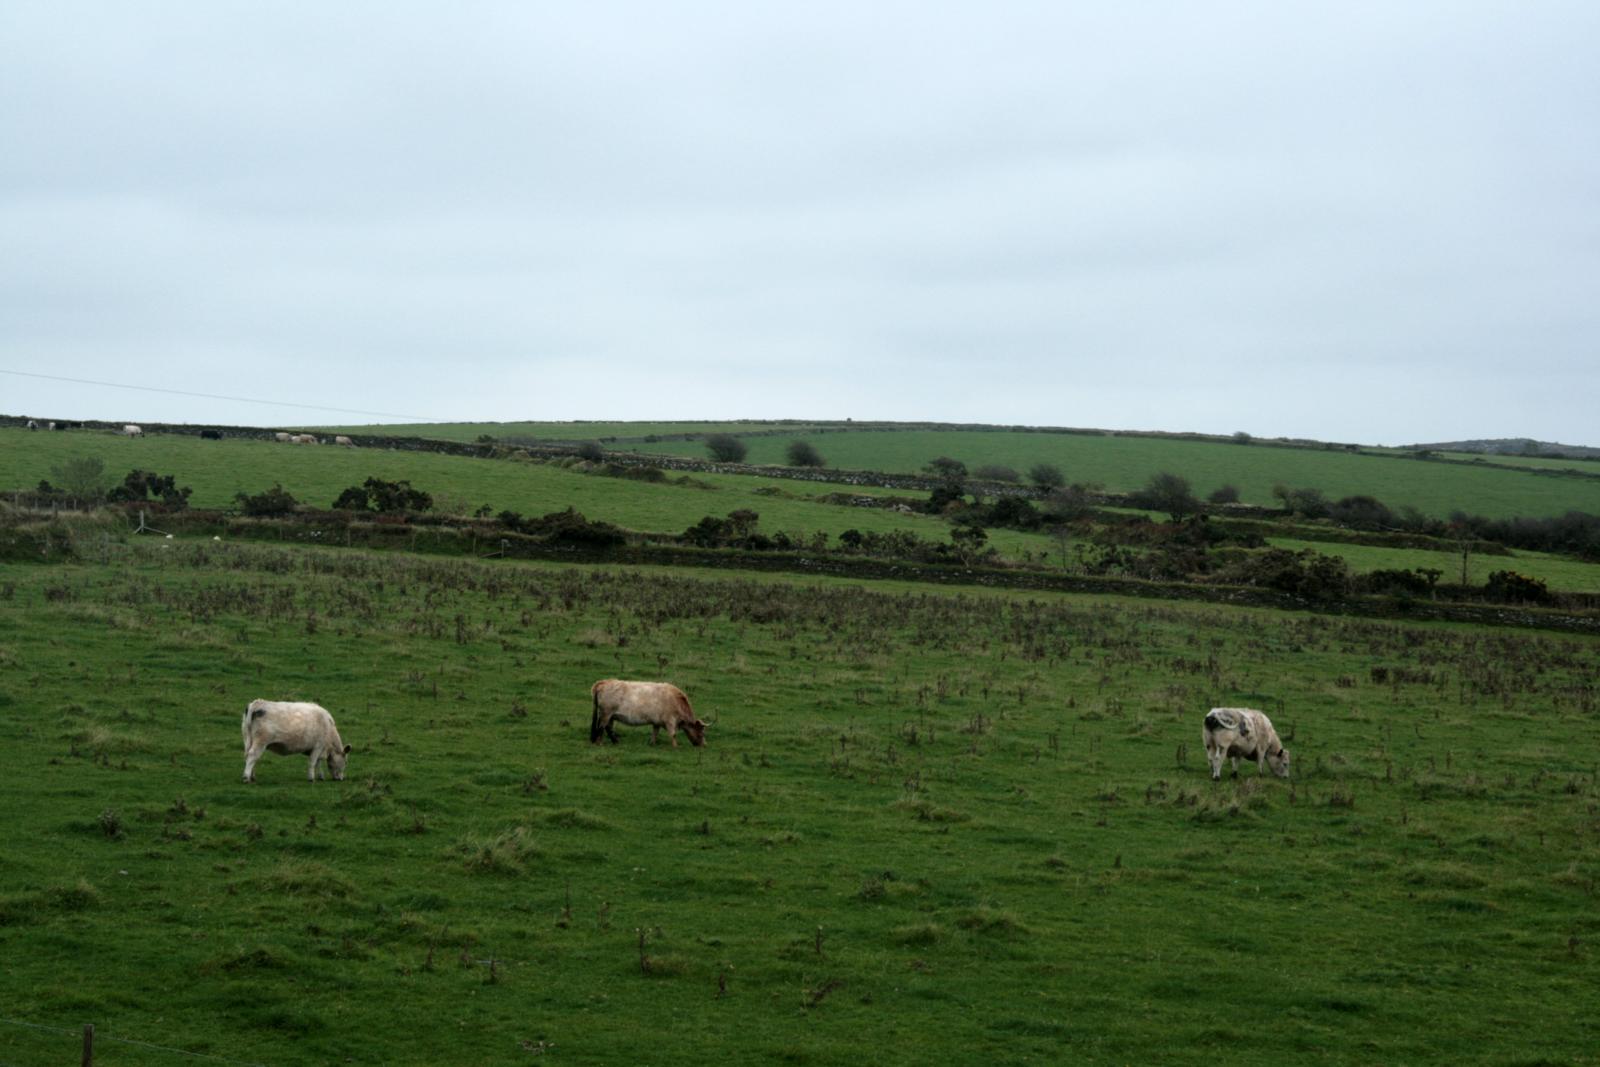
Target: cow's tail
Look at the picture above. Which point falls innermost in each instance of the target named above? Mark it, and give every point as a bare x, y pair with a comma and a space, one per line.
250, 712
1214, 721
596, 727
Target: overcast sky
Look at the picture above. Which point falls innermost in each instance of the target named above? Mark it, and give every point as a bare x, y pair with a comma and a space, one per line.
1372, 222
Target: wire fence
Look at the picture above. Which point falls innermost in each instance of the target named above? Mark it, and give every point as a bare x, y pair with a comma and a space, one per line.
63, 1044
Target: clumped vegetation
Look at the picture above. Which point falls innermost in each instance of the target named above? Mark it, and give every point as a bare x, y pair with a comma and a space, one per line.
726, 448
386, 497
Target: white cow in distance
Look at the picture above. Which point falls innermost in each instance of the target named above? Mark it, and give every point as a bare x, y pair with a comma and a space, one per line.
343, 440
1235, 733
131, 430
292, 728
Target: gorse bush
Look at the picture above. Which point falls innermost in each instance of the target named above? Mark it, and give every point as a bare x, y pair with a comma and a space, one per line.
376, 494
274, 501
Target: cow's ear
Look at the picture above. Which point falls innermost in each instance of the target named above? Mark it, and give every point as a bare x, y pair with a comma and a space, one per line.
347, 750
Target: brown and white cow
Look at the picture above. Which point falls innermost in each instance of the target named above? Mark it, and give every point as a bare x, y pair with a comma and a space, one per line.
345, 441
1235, 733
292, 728
657, 705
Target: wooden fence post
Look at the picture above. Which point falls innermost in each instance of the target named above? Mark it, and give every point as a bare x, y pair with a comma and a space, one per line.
88, 1045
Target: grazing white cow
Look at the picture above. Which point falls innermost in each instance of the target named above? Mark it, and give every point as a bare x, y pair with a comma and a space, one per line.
282, 438
343, 440
132, 431
1232, 733
305, 439
292, 728
652, 704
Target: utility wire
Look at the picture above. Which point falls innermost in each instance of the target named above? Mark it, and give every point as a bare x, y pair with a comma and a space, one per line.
214, 396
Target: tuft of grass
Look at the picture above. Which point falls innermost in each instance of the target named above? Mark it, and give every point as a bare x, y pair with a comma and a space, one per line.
507, 852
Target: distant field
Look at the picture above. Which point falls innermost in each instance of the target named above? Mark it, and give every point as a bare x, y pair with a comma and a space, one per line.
315, 475
557, 431
1567, 575
1122, 464
1539, 463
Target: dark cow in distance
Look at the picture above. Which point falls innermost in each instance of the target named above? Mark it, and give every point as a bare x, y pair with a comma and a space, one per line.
658, 705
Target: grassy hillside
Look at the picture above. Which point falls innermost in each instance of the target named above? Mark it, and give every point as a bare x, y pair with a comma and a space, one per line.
217, 470
953, 826
1123, 464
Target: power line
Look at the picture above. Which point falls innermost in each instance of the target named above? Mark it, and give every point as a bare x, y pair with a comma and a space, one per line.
215, 396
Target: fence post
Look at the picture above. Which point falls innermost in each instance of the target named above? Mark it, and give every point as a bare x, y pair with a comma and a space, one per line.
88, 1045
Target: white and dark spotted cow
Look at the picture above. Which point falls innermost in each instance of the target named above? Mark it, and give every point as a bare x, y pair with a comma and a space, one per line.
292, 728
658, 705
1235, 733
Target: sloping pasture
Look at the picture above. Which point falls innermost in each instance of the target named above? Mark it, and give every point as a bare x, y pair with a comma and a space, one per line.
940, 826
1125, 463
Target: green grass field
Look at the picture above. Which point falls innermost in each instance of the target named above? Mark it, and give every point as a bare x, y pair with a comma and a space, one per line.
1123, 464
972, 827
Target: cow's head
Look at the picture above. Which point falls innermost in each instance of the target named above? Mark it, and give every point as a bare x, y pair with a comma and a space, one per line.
336, 762
1279, 762
696, 731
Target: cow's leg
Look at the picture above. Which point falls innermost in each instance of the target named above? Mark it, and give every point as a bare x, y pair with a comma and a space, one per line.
672, 733
655, 733
611, 730
1214, 757
314, 769
1236, 766
251, 755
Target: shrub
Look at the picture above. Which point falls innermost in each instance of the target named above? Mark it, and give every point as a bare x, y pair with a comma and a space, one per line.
1046, 476
275, 501
1514, 588
376, 494
805, 454
591, 451
997, 472
1226, 494
1362, 513
726, 448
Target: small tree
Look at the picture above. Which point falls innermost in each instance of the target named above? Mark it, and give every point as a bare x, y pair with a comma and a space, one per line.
140, 486
946, 468
1046, 476
1169, 493
805, 454
968, 541
83, 478
591, 451
726, 448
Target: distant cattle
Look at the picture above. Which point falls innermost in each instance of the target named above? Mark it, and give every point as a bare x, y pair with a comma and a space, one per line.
211, 435
305, 439
657, 705
32, 425
292, 728
1235, 733
130, 430
343, 440
282, 438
